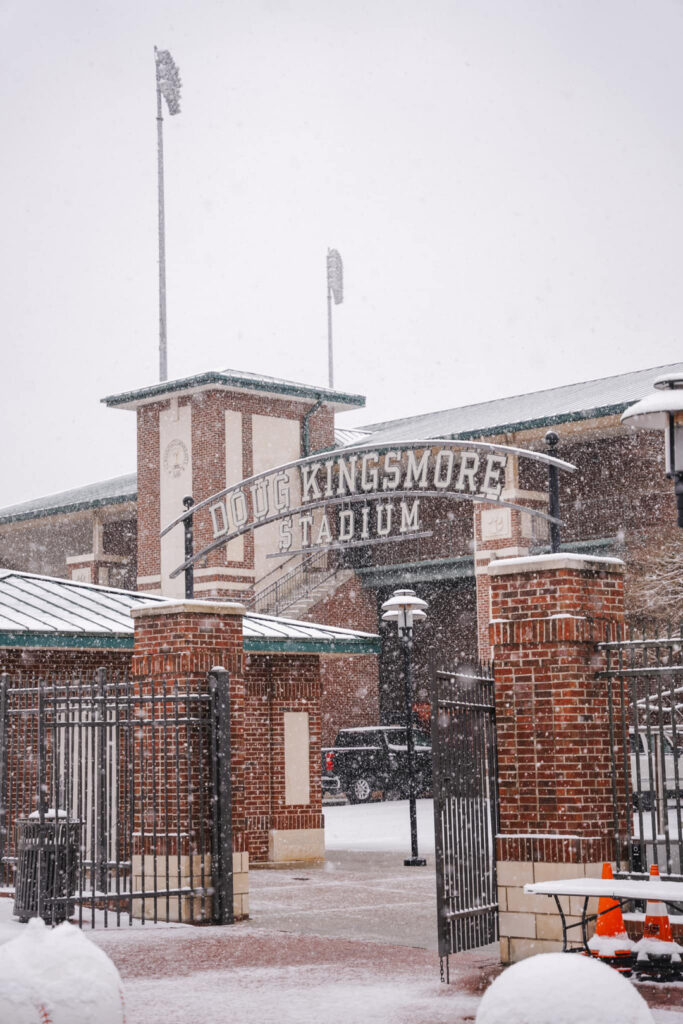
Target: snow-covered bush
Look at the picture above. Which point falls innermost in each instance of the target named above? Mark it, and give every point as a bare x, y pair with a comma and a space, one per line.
562, 988
57, 976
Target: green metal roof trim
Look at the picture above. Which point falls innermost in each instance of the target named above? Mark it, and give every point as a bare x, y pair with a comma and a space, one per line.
301, 646
69, 641
46, 612
235, 379
461, 567
117, 491
605, 396
111, 642
543, 421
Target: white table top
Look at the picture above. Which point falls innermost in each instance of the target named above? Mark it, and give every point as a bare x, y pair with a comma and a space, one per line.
667, 892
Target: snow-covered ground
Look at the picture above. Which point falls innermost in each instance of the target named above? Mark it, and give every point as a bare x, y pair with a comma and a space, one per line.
378, 826
338, 944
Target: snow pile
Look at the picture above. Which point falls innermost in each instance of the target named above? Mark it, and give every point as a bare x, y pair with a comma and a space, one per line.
378, 826
562, 988
610, 945
57, 976
649, 946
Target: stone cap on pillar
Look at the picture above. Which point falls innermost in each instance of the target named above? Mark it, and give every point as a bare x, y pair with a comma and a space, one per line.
559, 560
189, 608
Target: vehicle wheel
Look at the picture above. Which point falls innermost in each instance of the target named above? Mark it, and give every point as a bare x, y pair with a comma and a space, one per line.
361, 790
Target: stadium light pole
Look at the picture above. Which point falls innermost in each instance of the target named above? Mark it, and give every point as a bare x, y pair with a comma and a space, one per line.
404, 607
168, 86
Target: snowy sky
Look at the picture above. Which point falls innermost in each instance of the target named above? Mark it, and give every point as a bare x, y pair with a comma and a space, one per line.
503, 179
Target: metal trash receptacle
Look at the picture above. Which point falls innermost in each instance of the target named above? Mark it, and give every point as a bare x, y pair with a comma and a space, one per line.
48, 856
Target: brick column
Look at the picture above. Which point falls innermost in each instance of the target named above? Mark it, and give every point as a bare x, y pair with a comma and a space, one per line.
181, 642
501, 532
548, 613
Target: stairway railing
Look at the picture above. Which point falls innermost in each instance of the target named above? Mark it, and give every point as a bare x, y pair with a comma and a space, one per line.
294, 585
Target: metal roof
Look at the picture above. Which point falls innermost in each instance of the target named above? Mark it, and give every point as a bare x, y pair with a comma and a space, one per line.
117, 490
42, 611
590, 399
596, 398
235, 379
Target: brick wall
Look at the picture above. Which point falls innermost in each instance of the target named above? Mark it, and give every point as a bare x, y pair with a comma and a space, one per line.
184, 644
350, 684
275, 685
554, 752
54, 662
208, 477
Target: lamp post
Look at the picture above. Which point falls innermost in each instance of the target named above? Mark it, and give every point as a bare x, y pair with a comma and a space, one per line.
664, 410
404, 607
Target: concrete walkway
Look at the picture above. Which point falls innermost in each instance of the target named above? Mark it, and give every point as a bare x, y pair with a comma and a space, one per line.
366, 896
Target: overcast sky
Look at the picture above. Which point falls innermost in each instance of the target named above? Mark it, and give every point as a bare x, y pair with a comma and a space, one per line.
503, 179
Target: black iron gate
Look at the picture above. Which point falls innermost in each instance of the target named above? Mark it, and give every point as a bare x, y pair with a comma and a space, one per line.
465, 783
115, 799
644, 676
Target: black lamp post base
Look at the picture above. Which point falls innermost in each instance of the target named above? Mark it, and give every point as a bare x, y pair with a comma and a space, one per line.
415, 862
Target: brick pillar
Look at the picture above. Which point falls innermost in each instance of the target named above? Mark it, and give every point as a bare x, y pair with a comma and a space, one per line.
176, 643
501, 532
554, 753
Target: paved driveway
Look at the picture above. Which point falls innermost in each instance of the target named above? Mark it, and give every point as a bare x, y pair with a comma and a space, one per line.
369, 896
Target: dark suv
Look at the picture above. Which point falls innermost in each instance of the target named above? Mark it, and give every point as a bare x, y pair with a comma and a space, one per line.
372, 759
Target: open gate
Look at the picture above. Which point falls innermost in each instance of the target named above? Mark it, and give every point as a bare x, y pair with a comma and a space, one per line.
465, 785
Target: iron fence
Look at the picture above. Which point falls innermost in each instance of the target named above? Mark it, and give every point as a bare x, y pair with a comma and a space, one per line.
465, 784
139, 771
644, 675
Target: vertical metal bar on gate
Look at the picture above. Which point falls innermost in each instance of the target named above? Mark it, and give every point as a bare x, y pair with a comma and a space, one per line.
41, 781
219, 682
465, 808
437, 774
100, 854
4, 762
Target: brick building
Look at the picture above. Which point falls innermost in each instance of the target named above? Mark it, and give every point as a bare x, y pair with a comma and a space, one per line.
199, 434
62, 629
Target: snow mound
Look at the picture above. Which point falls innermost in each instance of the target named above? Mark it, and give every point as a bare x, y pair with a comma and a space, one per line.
610, 945
656, 947
562, 988
57, 976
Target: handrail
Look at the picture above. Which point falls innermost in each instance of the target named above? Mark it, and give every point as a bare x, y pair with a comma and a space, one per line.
280, 565
288, 589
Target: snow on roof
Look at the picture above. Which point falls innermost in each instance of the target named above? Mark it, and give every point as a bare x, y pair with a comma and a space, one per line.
239, 379
595, 398
344, 437
116, 490
34, 609
586, 400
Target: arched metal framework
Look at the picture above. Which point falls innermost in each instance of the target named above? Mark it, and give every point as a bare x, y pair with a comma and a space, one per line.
323, 458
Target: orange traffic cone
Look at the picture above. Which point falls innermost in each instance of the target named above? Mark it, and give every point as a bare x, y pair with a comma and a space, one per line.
610, 940
657, 937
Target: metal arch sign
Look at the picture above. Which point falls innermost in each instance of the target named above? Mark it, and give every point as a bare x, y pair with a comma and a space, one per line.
394, 479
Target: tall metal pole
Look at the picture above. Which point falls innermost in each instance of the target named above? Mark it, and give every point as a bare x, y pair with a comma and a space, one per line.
552, 441
414, 860
163, 358
330, 361
188, 502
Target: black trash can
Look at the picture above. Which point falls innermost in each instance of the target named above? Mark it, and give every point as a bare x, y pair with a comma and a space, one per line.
47, 864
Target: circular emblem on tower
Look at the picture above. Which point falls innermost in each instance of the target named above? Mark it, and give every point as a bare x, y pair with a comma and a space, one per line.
176, 457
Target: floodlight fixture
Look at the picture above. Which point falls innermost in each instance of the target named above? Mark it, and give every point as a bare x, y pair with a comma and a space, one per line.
663, 410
